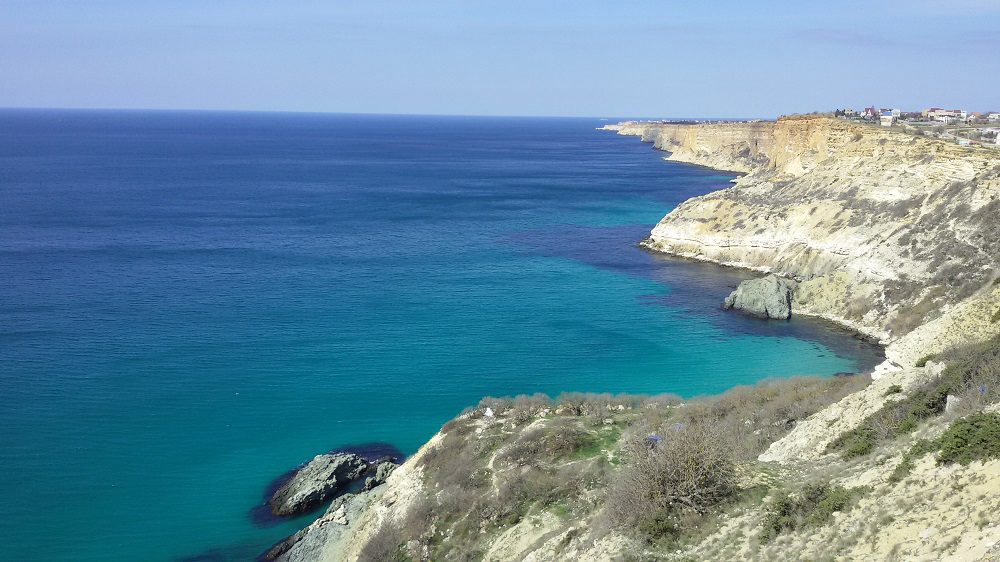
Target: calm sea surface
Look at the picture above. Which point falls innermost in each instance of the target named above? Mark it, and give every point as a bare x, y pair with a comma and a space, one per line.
193, 303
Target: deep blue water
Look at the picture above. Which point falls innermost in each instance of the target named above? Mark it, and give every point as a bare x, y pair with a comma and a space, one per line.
193, 303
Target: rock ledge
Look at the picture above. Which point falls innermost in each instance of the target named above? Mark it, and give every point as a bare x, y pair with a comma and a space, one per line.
317, 480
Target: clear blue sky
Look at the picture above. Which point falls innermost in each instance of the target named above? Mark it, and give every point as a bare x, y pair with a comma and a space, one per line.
511, 57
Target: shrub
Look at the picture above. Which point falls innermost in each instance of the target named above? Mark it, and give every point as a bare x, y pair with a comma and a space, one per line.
974, 437
574, 401
973, 373
763, 413
527, 407
922, 362
894, 389
545, 443
690, 469
895, 418
902, 470
499, 405
456, 462
386, 545
813, 506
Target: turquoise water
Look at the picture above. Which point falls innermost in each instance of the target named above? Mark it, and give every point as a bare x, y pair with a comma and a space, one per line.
193, 303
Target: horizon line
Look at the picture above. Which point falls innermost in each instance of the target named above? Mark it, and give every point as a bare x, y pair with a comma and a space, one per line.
308, 112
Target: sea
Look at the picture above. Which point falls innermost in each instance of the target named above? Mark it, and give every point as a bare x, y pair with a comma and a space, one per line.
194, 303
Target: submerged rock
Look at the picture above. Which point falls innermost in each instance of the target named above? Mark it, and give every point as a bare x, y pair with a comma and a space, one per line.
767, 297
316, 481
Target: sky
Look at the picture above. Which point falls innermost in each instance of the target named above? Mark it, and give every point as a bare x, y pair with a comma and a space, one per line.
665, 58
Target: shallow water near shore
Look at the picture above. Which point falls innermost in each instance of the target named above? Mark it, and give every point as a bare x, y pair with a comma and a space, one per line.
193, 303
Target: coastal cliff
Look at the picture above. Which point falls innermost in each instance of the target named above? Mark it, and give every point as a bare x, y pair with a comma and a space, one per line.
884, 231
893, 235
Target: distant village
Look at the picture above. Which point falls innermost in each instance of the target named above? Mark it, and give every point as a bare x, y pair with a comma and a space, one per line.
967, 128
964, 127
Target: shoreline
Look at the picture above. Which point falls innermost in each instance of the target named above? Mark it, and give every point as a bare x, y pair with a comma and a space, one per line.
863, 333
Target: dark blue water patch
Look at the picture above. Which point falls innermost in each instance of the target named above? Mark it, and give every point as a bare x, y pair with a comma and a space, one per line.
694, 288
261, 515
229, 553
372, 452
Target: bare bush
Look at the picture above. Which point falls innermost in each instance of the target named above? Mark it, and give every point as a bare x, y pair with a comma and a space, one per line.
545, 443
573, 401
457, 461
887, 422
761, 414
498, 405
384, 546
527, 407
689, 469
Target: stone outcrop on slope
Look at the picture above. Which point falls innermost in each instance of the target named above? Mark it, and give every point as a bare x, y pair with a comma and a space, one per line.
317, 480
885, 231
767, 297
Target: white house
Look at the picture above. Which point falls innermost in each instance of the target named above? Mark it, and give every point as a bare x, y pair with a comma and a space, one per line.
947, 115
993, 116
887, 119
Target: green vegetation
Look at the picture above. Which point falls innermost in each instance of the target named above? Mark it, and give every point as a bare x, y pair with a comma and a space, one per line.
974, 437
597, 442
972, 375
922, 362
589, 455
813, 506
903, 469
672, 490
667, 474
894, 389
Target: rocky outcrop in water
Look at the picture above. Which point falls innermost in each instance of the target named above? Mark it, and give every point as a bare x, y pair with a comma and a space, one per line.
767, 297
317, 480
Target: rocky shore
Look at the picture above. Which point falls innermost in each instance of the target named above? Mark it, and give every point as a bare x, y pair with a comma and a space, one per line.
325, 477
883, 232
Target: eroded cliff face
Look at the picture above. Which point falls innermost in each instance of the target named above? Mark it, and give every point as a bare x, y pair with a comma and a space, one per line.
884, 231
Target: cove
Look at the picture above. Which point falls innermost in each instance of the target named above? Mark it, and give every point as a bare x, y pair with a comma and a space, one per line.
194, 303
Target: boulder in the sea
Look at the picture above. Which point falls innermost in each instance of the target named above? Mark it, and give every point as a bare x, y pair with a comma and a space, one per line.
767, 297
316, 481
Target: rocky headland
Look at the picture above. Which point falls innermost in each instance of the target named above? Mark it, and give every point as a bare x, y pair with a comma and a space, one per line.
892, 235
883, 231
